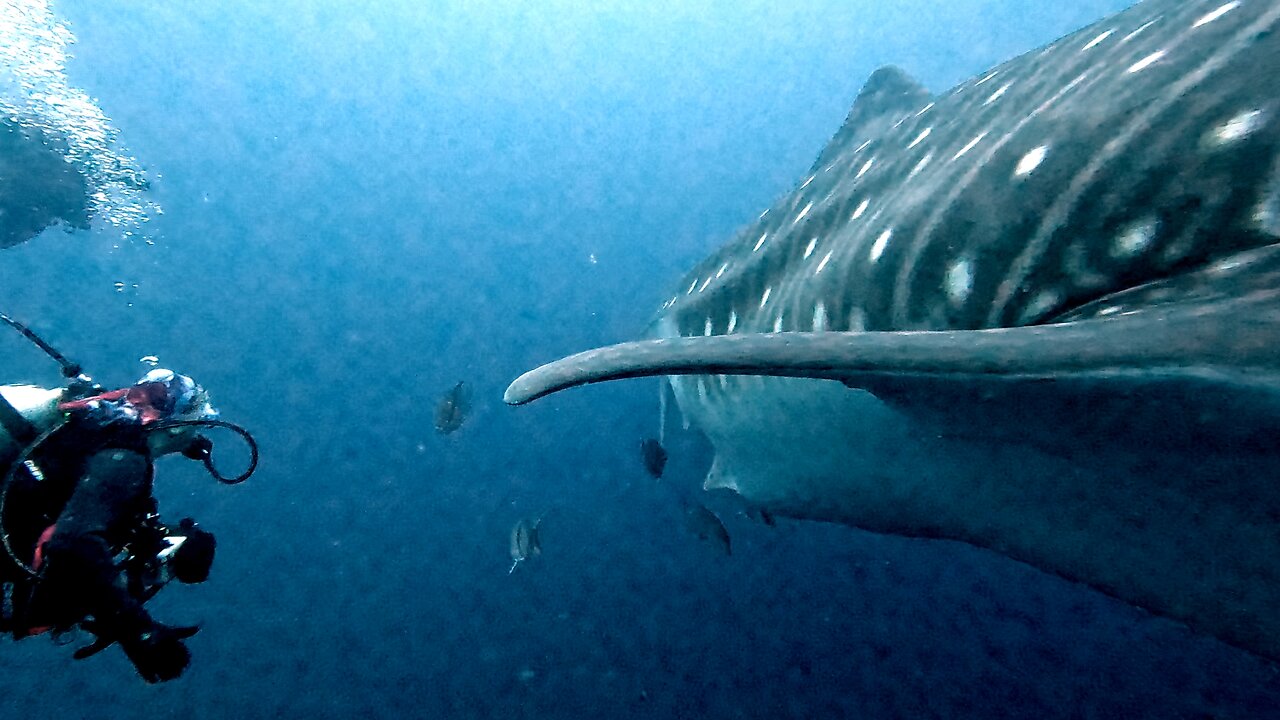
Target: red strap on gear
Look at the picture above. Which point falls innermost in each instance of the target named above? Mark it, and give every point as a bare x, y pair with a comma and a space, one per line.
36, 561
84, 403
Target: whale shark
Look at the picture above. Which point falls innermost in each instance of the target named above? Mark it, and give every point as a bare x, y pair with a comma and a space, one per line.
1038, 313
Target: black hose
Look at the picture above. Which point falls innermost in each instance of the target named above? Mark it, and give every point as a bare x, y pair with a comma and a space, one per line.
207, 456
69, 369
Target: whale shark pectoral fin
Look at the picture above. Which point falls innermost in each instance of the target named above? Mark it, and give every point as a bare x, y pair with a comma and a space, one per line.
1235, 340
796, 355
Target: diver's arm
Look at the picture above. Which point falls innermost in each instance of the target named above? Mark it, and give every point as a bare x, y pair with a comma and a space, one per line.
80, 568
80, 571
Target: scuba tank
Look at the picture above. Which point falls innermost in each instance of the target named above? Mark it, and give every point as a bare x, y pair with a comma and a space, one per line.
26, 411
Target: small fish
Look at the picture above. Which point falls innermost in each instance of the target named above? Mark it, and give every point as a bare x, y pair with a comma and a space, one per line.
765, 517
524, 542
453, 407
702, 522
655, 456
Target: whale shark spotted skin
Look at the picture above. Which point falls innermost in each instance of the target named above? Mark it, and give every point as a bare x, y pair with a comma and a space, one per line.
1039, 313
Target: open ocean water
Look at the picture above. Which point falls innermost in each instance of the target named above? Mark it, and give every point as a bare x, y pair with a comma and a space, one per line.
354, 206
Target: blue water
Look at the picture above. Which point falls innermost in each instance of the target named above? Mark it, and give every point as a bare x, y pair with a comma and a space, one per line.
367, 202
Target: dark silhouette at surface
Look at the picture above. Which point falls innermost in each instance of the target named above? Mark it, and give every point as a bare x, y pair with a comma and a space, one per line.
38, 187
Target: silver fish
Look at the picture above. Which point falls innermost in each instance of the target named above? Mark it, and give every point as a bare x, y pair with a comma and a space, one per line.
452, 408
654, 456
1039, 313
524, 542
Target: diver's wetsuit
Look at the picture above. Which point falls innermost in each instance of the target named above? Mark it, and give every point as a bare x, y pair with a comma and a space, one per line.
96, 491
80, 576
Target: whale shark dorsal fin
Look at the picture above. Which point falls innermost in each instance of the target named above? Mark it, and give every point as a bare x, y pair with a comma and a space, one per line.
888, 95
887, 90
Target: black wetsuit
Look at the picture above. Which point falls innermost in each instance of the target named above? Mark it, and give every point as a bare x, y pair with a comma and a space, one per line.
96, 492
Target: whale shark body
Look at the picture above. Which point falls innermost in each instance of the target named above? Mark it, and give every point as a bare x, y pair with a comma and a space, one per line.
1038, 313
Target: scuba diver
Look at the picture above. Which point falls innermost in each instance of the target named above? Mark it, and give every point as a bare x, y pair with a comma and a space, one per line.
79, 523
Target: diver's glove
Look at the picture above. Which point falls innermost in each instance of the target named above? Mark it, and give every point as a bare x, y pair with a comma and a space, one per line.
199, 448
158, 654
